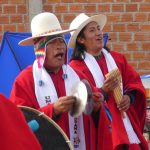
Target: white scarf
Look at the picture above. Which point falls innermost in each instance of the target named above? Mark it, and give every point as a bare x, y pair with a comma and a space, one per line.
47, 94
96, 72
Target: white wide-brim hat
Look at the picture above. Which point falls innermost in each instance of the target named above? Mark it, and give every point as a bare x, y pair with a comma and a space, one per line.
80, 22
44, 24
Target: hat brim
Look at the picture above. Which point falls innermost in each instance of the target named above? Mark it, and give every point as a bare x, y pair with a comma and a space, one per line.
30, 40
100, 19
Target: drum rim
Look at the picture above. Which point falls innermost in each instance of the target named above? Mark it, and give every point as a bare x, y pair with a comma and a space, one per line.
50, 120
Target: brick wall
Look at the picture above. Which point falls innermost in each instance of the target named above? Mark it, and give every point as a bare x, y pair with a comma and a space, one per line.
128, 23
13, 16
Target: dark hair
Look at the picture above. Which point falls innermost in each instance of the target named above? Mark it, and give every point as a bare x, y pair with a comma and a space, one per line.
78, 51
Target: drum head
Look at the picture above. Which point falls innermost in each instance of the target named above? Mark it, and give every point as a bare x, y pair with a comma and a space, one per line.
49, 134
84, 103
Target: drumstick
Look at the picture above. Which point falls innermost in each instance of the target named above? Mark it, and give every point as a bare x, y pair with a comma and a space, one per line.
117, 92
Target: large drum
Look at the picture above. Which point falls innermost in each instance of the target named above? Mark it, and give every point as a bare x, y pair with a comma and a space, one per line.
49, 134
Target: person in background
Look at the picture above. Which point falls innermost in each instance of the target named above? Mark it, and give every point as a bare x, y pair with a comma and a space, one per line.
46, 85
15, 133
90, 58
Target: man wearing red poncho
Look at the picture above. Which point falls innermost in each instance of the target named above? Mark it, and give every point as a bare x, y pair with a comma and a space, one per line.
90, 58
46, 85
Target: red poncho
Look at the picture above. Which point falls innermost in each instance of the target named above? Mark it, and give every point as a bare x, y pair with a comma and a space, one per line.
15, 133
136, 112
23, 93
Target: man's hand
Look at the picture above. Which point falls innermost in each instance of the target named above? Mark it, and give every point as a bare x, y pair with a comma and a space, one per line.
110, 84
97, 99
124, 104
63, 104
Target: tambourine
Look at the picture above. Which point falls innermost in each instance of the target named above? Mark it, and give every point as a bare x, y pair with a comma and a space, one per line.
84, 103
48, 133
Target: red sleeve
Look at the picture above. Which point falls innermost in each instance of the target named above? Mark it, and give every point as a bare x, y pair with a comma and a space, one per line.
132, 81
14, 129
23, 93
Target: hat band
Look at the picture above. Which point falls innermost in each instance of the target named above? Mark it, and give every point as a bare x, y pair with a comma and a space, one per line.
54, 30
